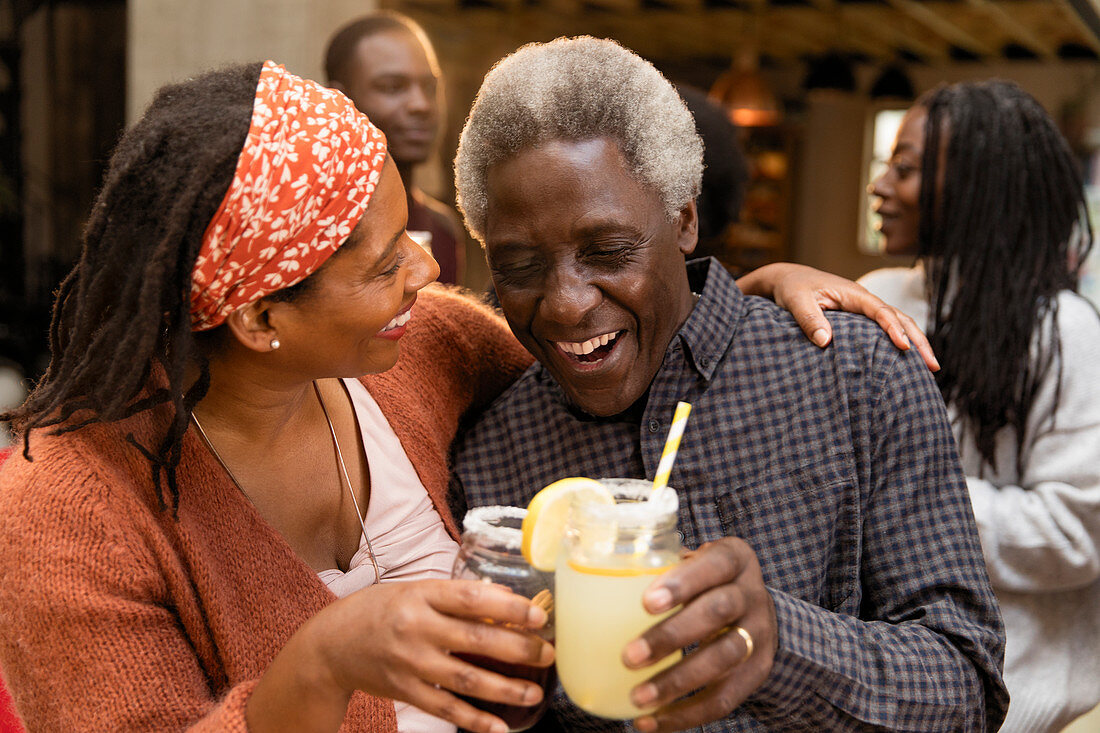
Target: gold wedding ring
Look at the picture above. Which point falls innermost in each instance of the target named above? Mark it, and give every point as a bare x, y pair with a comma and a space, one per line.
745, 637
749, 645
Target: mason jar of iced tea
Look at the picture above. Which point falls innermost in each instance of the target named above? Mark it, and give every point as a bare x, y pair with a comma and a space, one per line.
490, 551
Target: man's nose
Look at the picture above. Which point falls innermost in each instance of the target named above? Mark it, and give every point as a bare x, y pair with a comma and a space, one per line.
569, 297
421, 99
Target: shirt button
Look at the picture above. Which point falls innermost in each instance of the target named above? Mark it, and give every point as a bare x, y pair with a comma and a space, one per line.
681, 535
704, 362
654, 425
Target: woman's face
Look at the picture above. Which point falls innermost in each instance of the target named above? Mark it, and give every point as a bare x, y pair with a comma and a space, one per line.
897, 190
350, 319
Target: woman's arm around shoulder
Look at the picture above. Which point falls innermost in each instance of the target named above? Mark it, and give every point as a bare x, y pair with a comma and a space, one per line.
807, 293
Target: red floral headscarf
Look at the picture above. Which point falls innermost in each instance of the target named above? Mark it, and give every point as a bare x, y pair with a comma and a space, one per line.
304, 177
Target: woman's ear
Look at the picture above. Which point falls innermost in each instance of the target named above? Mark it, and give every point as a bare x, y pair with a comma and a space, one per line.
251, 326
688, 235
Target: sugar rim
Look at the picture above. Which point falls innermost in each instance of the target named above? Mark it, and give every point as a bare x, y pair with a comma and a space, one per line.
636, 512
480, 520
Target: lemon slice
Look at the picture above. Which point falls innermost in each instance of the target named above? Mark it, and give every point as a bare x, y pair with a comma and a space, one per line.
547, 513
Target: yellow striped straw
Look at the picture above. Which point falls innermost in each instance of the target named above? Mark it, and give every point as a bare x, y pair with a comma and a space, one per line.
672, 444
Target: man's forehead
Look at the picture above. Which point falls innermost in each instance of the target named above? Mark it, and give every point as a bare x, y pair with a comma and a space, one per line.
393, 52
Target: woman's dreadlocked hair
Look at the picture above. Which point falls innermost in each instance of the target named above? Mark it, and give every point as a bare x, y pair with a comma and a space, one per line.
1006, 233
125, 305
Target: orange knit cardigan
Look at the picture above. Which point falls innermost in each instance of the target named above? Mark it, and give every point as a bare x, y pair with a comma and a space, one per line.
115, 616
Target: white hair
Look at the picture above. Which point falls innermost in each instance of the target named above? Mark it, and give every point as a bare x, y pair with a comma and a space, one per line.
579, 89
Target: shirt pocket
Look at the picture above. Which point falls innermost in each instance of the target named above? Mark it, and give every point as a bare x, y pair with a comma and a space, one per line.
804, 526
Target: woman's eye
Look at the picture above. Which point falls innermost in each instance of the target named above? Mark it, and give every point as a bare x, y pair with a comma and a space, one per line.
392, 270
903, 169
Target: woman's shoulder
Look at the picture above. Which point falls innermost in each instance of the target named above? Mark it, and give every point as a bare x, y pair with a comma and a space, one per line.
455, 319
69, 473
892, 279
1077, 316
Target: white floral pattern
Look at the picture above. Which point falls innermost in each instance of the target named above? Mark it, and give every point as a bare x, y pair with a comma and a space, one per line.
304, 178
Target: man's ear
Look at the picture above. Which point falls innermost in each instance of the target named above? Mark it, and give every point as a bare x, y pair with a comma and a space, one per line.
688, 234
252, 328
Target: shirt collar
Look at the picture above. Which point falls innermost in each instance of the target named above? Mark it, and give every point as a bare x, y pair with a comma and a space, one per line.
709, 329
706, 334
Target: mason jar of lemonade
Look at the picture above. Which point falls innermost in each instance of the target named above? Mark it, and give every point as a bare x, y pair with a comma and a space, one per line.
611, 554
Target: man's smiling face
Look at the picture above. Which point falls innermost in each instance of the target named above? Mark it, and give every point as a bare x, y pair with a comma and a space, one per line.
588, 268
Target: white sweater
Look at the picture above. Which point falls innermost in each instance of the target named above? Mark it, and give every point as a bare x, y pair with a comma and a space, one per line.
1040, 530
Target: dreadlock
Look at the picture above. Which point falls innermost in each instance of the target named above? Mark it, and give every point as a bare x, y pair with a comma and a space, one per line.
1008, 230
125, 305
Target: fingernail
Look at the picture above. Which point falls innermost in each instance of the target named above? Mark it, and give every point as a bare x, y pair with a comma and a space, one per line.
644, 694
905, 338
636, 652
820, 337
658, 599
536, 617
532, 694
935, 364
646, 724
498, 727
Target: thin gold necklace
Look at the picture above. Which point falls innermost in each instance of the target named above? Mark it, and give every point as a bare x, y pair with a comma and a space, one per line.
339, 460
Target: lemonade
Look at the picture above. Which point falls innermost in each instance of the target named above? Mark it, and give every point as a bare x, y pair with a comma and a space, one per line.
611, 554
599, 611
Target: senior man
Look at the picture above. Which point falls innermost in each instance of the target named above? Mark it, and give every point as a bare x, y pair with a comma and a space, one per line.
821, 487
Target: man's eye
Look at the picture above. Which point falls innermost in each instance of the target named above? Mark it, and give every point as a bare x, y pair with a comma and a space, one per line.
515, 273
390, 87
618, 255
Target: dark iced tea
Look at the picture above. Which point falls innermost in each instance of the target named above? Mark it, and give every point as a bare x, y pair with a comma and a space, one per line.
517, 718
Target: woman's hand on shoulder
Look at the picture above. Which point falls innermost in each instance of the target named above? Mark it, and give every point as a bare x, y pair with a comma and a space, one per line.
400, 641
807, 293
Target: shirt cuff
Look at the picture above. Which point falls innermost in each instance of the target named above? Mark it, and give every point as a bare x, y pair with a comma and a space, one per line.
787, 695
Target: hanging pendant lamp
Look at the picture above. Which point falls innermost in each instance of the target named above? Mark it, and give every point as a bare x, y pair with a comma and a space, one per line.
745, 95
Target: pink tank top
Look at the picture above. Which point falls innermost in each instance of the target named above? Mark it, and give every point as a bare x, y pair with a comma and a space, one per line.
407, 533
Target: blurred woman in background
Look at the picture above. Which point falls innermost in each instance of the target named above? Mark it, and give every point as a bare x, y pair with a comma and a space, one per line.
983, 189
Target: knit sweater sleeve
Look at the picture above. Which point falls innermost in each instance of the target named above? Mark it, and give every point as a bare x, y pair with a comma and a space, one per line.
88, 636
1041, 532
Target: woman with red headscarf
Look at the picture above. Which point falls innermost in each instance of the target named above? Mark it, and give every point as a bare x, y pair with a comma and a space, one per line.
208, 480
208, 474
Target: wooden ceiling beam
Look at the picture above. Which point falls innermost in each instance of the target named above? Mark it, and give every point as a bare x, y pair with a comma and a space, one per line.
1070, 13
1023, 34
949, 31
855, 17
863, 21
831, 30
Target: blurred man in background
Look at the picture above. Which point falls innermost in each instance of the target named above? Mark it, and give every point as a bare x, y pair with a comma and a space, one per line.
386, 65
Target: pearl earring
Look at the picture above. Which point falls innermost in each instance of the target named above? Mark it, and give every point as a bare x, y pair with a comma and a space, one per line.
275, 344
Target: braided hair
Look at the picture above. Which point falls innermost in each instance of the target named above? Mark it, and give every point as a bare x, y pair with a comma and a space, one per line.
125, 306
1007, 231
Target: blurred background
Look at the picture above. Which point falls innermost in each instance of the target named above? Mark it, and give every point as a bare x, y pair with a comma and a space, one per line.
815, 86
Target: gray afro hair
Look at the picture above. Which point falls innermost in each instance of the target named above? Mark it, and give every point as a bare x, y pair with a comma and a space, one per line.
579, 89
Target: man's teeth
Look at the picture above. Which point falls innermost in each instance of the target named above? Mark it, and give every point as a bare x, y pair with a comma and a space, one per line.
399, 320
580, 348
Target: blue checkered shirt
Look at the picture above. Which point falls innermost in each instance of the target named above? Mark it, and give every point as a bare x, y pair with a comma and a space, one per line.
836, 465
